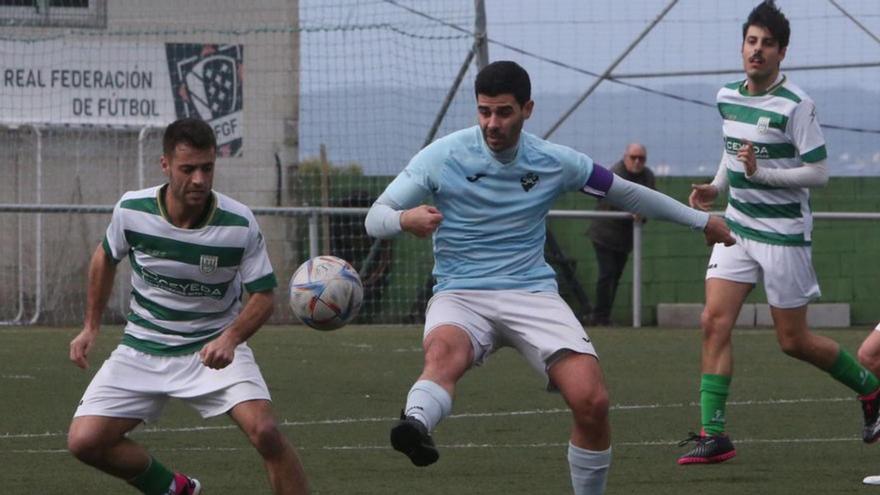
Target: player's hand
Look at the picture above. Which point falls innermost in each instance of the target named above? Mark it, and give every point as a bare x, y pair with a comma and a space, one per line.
81, 345
421, 221
702, 196
746, 155
716, 230
218, 353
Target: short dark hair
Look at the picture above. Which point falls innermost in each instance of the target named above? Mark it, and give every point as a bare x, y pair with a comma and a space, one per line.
194, 132
768, 15
504, 77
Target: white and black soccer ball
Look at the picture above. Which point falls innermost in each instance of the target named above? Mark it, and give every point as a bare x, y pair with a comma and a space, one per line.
326, 293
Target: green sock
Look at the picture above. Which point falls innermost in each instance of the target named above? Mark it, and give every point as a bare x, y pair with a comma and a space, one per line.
713, 400
155, 480
849, 372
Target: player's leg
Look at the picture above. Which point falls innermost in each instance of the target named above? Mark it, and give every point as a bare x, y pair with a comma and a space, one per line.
580, 381
240, 391
448, 353
257, 420
869, 357
798, 341
724, 300
791, 283
544, 330
100, 442
122, 395
730, 276
456, 336
869, 351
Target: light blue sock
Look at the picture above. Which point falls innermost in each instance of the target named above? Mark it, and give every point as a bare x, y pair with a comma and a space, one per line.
589, 469
428, 403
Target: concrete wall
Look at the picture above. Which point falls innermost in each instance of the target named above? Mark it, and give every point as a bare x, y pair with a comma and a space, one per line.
96, 165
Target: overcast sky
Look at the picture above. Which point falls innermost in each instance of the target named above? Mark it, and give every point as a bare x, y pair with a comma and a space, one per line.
694, 35
375, 72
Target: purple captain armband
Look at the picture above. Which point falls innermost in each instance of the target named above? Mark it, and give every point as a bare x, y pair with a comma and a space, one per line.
599, 181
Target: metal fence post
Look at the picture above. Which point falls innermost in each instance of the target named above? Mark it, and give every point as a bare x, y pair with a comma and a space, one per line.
637, 274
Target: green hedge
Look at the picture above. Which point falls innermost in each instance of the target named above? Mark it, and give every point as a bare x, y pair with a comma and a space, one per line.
675, 259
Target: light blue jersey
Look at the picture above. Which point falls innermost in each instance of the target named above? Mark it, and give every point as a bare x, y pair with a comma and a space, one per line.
493, 229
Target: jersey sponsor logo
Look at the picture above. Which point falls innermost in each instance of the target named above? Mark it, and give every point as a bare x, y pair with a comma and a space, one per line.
734, 147
475, 177
528, 181
208, 263
188, 289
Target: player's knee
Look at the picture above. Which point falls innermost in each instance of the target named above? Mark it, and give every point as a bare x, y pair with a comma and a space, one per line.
84, 446
793, 347
441, 354
591, 408
265, 436
715, 325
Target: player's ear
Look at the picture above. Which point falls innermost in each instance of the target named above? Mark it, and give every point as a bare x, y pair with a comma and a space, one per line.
527, 108
166, 166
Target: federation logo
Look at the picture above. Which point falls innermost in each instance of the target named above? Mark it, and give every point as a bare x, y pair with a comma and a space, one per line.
528, 181
208, 263
206, 81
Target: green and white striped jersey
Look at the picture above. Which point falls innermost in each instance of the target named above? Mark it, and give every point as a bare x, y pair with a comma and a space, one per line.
781, 124
186, 283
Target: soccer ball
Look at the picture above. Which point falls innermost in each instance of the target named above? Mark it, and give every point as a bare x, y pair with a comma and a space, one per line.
326, 292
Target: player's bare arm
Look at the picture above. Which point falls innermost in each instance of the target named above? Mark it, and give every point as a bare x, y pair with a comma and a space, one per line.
421, 221
703, 195
102, 269
717, 231
220, 352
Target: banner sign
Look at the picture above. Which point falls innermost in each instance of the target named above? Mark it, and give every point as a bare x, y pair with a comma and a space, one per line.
60, 82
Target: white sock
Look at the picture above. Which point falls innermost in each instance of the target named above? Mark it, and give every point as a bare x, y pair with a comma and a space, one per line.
589, 469
428, 402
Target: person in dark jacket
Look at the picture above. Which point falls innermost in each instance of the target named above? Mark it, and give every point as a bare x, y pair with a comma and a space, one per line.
612, 237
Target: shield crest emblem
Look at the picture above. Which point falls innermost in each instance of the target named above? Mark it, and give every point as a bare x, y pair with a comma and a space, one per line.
213, 86
208, 263
528, 181
763, 124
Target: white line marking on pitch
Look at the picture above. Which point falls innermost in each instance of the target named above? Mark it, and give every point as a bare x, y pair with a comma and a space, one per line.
532, 412
656, 443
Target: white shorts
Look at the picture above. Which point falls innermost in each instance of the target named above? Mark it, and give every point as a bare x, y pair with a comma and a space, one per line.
539, 325
788, 275
132, 384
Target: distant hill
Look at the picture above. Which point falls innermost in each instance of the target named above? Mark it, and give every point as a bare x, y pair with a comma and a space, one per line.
381, 128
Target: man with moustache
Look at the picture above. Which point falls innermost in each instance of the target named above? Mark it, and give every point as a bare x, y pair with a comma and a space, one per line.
774, 152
